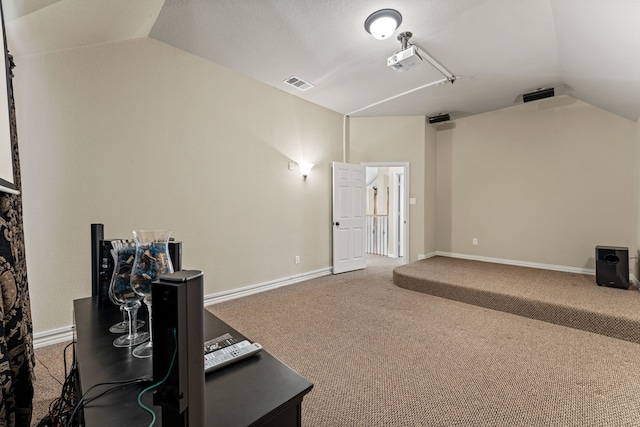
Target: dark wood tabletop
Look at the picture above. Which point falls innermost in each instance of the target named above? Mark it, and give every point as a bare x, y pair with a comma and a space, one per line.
257, 391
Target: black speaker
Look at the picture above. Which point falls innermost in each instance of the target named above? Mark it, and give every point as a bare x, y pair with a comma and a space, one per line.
101, 264
175, 253
97, 234
178, 340
439, 118
538, 94
105, 270
612, 266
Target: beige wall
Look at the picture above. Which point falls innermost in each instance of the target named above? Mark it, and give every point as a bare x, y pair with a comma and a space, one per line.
141, 135
543, 182
395, 139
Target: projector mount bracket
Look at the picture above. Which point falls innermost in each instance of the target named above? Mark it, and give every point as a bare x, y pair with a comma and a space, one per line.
404, 37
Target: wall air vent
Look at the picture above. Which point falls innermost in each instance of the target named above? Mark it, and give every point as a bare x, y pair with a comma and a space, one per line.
298, 83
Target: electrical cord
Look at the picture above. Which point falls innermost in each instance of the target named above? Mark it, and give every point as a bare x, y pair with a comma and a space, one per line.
151, 387
61, 407
84, 400
63, 410
40, 362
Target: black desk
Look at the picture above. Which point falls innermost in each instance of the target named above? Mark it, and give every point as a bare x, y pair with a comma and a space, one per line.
258, 391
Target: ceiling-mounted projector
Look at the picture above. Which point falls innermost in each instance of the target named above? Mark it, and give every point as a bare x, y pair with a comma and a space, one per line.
404, 59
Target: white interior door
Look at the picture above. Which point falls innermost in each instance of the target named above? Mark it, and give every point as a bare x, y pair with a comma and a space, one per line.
349, 217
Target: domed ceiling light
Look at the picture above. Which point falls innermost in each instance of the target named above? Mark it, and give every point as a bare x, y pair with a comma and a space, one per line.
382, 23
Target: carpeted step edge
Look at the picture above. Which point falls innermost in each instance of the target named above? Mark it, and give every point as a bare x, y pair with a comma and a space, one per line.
619, 327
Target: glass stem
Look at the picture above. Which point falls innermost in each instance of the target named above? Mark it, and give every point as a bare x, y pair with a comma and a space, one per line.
133, 320
150, 323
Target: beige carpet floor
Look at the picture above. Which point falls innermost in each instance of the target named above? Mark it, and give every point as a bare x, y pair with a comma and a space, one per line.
380, 355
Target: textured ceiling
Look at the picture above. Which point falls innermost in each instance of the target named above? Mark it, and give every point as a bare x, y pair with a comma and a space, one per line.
498, 49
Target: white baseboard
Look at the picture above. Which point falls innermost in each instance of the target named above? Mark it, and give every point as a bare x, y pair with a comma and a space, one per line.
261, 287
56, 336
554, 267
427, 256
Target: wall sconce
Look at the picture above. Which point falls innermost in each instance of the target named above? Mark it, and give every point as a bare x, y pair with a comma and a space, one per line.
305, 168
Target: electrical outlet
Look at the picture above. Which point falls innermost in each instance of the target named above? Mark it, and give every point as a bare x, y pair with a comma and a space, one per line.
297, 259
475, 241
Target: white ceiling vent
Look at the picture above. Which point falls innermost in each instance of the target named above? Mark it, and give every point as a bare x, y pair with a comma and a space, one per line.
298, 83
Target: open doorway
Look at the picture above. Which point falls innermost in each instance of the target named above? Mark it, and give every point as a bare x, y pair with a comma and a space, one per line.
387, 211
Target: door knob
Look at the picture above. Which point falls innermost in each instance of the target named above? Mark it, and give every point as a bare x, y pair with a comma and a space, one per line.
337, 224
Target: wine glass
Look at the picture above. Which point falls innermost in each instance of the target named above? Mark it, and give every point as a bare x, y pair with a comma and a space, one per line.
151, 261
120, 291
122, 326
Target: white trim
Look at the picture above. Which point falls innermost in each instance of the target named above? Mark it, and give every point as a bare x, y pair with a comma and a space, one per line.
261, 287
554, 267
407, 195
54, 336
427, 256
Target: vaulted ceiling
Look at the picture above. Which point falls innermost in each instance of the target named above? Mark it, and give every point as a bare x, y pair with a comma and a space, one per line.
497, 49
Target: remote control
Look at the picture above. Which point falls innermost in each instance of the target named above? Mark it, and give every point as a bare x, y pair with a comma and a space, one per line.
230, 354
219, 342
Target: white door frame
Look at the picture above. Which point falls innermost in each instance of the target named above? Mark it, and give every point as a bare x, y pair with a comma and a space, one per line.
404, 165
398, 182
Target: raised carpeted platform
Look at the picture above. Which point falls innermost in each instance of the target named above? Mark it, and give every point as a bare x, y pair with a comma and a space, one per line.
568, 299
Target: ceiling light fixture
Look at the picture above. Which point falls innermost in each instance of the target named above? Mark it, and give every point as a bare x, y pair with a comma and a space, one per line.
382, 23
